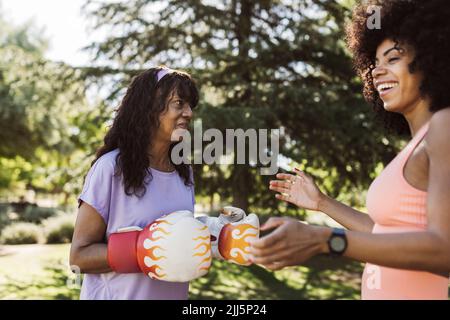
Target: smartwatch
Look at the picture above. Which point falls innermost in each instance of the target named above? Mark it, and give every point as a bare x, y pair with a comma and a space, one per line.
337, 243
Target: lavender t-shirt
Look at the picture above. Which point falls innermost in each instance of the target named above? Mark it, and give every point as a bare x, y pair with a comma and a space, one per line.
104, 191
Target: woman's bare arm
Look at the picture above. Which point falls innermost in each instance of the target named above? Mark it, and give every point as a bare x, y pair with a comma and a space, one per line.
293, 243
88, 252
350, 218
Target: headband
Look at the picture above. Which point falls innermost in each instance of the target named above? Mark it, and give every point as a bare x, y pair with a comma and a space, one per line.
162, 73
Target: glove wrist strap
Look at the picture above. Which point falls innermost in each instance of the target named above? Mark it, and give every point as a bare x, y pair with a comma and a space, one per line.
122, 254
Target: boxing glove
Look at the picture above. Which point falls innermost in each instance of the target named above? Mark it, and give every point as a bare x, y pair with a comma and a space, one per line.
174, 248
231, 233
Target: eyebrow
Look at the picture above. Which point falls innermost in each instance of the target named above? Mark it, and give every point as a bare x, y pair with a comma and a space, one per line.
389, 50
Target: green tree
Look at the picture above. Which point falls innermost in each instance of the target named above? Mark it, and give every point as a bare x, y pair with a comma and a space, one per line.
260, 64
46, 123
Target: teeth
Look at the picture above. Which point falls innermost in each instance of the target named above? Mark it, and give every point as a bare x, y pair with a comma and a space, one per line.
385, 86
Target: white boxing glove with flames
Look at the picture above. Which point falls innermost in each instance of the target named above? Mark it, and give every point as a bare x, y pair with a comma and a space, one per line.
230, 234
174, 248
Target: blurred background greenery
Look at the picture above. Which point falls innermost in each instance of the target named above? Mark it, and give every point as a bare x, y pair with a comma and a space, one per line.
259, 64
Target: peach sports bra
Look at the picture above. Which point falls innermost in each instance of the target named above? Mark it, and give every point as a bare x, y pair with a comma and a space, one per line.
395, 206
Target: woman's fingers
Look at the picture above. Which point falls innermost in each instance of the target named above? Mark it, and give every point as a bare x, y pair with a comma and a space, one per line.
282, 183
279, 189
279, 250
283, 197
272, 223
292, 178
302, 174
287, 177
269, 240
267, 251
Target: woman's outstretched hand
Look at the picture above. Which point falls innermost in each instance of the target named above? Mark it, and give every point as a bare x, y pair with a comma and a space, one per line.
298, 189
291, 243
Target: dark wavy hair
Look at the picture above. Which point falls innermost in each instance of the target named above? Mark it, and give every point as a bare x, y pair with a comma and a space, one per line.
423, 25
135, 123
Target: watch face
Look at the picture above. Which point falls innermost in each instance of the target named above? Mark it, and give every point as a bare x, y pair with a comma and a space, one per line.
337, 244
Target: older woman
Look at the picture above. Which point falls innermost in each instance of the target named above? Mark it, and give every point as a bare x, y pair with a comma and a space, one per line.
133, 182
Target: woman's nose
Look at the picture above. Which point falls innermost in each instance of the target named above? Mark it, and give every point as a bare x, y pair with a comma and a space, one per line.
378, 71
187, 111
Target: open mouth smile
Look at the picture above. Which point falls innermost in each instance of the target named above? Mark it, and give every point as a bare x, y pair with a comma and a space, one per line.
386, 87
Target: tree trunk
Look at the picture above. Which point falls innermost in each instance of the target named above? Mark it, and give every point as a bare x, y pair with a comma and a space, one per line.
241, 180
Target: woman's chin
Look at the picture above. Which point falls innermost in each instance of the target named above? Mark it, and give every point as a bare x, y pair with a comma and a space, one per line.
391, 107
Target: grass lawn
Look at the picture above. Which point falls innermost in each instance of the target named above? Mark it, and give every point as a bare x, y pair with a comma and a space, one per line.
42, 272
35, 272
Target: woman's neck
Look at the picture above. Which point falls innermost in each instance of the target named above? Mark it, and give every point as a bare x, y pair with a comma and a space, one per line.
159, 156
418, 115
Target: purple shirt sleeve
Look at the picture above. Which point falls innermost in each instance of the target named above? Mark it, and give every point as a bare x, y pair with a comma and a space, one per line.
97, 187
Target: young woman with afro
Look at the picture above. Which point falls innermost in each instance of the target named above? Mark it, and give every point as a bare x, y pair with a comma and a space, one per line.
405, 238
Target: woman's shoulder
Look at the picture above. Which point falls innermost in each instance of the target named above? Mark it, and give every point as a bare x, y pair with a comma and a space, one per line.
440, 116
108, 161
439, 130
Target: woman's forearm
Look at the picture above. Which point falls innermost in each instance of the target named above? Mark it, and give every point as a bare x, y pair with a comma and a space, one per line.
414, 250
345, 215
90, 259
423, 251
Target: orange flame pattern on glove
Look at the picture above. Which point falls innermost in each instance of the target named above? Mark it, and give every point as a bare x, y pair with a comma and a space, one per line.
155, 227
149, 263
205, 264
233, 242
154, 272
152, 255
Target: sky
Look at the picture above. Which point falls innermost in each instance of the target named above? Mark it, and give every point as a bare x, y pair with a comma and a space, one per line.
63, 25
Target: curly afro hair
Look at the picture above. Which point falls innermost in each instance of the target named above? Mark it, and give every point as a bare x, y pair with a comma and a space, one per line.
424, 25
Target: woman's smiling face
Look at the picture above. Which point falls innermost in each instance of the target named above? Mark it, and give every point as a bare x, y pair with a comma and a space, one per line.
398, 88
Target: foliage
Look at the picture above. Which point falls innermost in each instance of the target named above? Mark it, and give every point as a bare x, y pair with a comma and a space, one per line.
5, 211
262, 65
21, 233
35, 214
59, 229
48, 125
